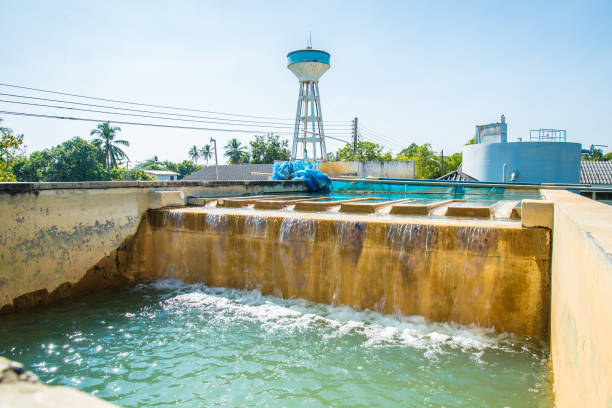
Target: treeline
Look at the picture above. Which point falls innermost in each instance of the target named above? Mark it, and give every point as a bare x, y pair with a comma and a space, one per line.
269, 148
264, 149
102, 158
77, 159
427, 163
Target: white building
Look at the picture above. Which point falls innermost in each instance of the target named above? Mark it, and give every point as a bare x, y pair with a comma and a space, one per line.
163, 175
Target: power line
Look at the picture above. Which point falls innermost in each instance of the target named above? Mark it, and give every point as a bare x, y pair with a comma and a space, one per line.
345, 126
376, 139
36, 115
381, 137
144, 111
145, 104
141, 116
378, 134
249, 131
382, 142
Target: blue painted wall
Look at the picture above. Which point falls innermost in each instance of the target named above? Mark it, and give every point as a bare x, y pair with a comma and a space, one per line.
308, 56
532, 162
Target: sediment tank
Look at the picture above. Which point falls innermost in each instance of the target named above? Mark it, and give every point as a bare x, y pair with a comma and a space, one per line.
548, 263
489, 275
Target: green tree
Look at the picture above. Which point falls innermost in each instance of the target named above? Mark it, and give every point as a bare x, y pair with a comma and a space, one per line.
121, 173
268, 148
596, 155
74, 160
150, 164
452, 162
133, 174
206, 153
366, 151
9, 147
426, 163
236, 152
106, 142
410, 151
194, 154
184, 168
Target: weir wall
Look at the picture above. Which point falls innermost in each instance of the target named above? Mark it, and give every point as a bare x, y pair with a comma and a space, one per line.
59, 239
489, 274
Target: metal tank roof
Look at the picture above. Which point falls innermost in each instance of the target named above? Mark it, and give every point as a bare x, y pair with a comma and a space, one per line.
308, 64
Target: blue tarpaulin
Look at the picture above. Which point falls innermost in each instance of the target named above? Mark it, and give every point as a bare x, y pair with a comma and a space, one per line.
299, 170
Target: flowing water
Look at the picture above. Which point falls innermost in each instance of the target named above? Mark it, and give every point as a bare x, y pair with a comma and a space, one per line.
167, 343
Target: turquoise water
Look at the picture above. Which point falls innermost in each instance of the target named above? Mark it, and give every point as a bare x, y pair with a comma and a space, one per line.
166, 343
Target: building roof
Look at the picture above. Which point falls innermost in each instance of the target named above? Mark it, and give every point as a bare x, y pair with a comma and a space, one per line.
457, 175
596, 172
161, 173
233, 172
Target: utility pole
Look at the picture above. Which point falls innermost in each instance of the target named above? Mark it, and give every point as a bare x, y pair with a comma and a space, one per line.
355, 133
214, 141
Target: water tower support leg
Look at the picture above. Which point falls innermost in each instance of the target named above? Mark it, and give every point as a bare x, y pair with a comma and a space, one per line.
320, 121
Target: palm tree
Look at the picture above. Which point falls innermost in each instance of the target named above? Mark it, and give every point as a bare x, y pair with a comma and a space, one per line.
194, 154
110, 151
206, 153
235, 151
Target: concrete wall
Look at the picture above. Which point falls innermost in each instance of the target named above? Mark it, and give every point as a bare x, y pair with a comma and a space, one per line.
395, 169
20, 388
57, 239
534, 162
581, 316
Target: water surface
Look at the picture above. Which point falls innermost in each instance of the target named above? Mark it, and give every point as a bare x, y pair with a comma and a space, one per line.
167, 343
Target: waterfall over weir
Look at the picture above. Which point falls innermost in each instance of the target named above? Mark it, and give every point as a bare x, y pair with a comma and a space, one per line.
471, 272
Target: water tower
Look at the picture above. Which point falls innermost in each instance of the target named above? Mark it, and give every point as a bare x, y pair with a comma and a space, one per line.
308, 65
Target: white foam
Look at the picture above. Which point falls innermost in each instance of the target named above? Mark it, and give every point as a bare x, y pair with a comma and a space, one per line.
373, 330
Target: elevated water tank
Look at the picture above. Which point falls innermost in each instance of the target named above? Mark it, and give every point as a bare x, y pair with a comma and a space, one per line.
308, 135
308, 64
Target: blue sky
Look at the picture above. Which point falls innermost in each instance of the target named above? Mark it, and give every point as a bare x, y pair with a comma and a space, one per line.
411, 71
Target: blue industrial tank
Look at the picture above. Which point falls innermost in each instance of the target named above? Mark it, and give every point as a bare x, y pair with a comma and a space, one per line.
523, 162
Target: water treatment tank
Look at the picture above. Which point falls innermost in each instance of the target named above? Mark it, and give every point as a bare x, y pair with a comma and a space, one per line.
308, 64
523, 162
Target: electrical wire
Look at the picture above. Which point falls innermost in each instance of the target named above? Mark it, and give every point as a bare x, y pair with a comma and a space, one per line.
380, 137
27, 114
338, 127
369, 137
346, 127
36, 115
140, 116
145, 104
143, 116
146, 111
378, 134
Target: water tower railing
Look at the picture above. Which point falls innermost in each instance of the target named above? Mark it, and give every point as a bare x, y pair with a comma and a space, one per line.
548, 135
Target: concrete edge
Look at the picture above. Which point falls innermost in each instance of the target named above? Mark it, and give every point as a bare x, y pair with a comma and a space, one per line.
23, 187
593, 218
